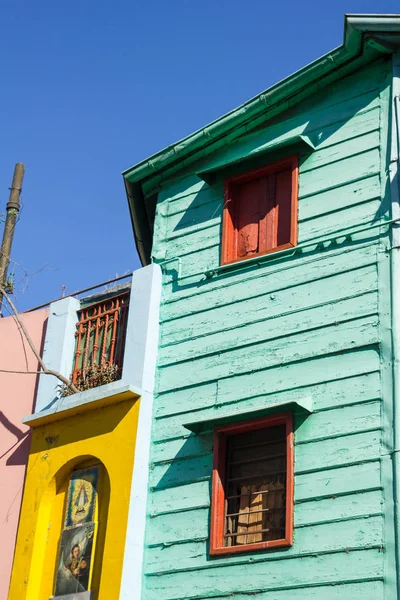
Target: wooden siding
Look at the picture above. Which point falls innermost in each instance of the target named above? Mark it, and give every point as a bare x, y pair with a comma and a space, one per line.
307, 325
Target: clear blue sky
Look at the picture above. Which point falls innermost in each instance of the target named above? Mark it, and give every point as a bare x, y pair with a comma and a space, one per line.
89, 88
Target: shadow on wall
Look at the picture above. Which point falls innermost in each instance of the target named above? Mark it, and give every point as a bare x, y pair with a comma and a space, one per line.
21, 448
317, 118
20, 455
78, 429
244, 153
193, 464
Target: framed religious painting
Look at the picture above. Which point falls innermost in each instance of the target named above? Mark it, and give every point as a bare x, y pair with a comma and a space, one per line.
77, 541
74, 562
82, 497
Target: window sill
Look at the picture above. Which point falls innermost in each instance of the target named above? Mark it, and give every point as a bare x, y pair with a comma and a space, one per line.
255, 260
257, 257
81, 402
341, 236
250, 547
303, 404
78, 596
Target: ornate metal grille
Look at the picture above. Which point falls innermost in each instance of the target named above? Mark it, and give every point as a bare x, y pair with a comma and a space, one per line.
100, 341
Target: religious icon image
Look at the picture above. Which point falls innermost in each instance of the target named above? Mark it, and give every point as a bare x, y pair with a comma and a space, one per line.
74, 560
82, 495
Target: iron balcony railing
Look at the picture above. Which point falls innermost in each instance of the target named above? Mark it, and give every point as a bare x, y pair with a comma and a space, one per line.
100, 342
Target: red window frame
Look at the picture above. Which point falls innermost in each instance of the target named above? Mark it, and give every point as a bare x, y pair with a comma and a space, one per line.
218, 484
229, 246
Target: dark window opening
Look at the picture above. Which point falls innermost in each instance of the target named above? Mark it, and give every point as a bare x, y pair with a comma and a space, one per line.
255, 486
252, 485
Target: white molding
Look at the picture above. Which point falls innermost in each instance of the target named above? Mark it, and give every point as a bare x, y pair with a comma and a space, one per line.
59, 348
139, 369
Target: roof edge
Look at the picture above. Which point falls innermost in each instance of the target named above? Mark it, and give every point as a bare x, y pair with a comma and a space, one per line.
355, 26
140, 222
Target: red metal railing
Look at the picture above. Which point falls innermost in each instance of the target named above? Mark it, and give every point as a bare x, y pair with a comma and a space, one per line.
100, 336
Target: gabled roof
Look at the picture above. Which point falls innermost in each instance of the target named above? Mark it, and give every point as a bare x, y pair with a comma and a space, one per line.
365, 37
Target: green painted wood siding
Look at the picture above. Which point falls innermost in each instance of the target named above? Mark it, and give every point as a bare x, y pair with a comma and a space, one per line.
309, 325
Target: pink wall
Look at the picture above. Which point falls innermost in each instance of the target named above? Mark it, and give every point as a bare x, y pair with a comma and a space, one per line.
17, 393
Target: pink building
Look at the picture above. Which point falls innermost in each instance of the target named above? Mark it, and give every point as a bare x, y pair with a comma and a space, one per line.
17, 397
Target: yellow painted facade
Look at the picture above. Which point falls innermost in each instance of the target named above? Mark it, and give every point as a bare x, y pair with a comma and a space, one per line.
104, 435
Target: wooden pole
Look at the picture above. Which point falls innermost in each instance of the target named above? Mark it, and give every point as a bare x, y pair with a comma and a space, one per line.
11, 221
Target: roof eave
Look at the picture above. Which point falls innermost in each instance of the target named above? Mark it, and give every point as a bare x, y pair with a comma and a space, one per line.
140, 222
236, 117
355, 28
350, 48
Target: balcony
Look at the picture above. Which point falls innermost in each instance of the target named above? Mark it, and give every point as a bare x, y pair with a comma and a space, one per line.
106, 344
100, 342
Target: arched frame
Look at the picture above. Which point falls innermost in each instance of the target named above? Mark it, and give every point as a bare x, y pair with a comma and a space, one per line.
106, 437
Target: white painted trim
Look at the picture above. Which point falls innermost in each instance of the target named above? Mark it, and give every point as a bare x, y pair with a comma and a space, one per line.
139, 369
142, 329
58, 351
88, 399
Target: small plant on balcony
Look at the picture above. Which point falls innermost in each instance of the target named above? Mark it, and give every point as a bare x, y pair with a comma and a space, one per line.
9, 285
93, 376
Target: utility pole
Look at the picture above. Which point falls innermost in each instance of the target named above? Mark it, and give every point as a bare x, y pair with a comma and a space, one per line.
11, 220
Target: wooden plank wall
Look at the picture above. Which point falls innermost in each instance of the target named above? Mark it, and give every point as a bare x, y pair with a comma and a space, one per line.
299, 327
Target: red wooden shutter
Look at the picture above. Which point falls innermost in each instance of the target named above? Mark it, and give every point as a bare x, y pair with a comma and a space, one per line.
283, 206
260, 211
247, 198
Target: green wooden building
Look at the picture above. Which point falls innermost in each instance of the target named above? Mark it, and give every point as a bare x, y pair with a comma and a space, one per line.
276, 426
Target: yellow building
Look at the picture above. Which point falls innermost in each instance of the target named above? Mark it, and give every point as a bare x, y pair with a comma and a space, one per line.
83, 509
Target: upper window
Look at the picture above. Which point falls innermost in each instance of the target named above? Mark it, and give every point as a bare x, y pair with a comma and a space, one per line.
100, 342
260, 211
252, 486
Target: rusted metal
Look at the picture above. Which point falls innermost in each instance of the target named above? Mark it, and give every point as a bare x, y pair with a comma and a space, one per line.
100, 335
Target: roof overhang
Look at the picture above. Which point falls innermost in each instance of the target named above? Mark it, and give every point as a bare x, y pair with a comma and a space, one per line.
365, 37
300, 406
249, 151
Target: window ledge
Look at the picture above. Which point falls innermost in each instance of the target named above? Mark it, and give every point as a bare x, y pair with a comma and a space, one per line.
339, 237
303, 404
81, 402
79, 596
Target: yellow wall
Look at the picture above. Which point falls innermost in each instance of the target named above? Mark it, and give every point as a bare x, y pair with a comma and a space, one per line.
105, 435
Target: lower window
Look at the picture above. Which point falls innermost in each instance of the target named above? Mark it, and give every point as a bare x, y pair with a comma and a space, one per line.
252, 486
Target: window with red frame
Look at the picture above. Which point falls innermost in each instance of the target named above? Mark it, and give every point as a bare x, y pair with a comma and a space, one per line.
252, 486
260, 211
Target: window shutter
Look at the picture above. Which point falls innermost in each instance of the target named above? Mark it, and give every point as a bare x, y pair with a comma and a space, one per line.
248, 217
283, 206
260, 211
268, 222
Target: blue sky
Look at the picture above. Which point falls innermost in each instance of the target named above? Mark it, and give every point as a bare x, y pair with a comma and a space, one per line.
92, 87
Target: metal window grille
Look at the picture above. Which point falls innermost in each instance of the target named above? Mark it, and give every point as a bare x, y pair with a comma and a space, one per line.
255, 486
100, 337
